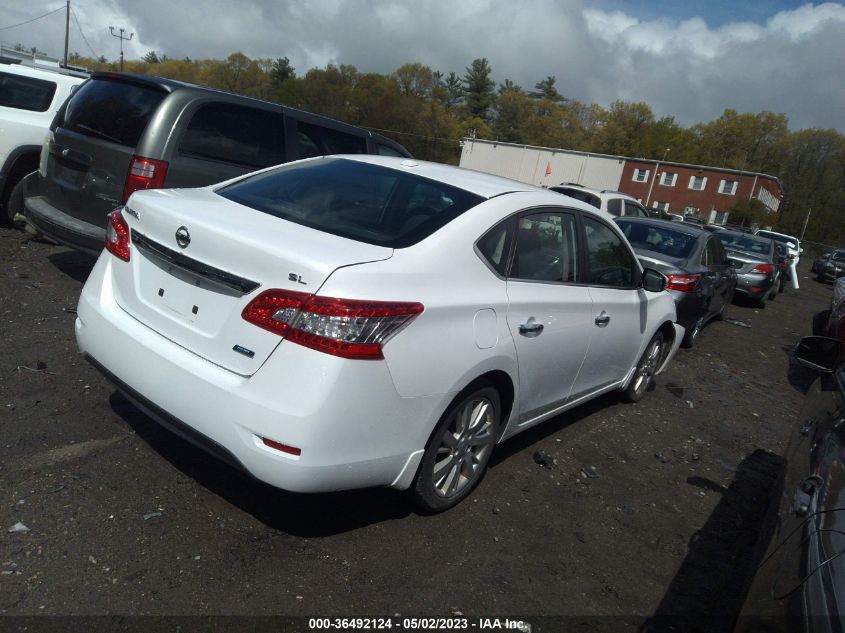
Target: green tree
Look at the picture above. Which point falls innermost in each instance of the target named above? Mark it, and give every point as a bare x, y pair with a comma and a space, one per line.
151, 58
546, 90
478, 87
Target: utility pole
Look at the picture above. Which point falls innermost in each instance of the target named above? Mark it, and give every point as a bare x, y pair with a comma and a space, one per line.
121, 38
806, 220
67, 29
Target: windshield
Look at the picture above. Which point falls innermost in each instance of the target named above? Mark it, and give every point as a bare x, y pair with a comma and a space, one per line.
659, 239
359, 201
745, 242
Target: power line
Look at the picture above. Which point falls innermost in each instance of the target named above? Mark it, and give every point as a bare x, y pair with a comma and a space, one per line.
85, 39
33, 19
430, 138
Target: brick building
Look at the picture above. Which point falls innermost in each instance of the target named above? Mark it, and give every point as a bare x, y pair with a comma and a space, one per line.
696, 189
707, 192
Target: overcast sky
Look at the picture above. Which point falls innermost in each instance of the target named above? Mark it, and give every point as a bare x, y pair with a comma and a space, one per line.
690, 60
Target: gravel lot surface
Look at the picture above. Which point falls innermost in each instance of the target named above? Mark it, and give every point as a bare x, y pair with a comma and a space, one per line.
632, 510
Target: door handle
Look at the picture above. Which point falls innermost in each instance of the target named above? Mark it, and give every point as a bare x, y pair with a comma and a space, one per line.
531, 328
603, 319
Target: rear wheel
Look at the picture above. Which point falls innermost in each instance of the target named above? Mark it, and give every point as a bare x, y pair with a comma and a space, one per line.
646, 368
457, 454
14, 206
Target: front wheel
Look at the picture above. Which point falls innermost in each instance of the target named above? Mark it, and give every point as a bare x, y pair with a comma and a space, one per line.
646, 368
458, 452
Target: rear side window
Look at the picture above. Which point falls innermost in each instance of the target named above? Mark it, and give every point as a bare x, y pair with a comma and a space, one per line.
111, 110
26, 93
546, 248
494, 246
384, 150
235, 134
614, 206
359, 201
316, 140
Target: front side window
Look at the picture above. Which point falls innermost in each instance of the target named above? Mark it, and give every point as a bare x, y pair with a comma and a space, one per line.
546, 248
611, 263
697, 183
368, 203
235, 134
26, 93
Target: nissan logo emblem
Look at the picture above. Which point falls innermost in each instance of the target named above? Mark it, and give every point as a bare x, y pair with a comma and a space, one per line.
183, 238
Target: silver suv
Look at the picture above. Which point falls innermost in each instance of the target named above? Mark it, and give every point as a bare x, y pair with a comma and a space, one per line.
614, 203
29, 98
120, 133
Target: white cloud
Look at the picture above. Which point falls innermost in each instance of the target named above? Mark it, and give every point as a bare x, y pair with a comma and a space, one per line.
790, 63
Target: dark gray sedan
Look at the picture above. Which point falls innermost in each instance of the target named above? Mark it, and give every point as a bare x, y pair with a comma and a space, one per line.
756, 262
700, 276
833, 268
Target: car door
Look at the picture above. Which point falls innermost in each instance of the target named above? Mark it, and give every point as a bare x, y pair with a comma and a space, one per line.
715, 273
549, 309
618, 320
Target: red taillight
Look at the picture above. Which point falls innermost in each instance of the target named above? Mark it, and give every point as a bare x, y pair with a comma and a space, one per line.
763, 269
117, 235
683, 283
284, 448
349, 328
144, 173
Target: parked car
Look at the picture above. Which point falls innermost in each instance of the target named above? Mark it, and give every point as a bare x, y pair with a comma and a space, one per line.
120, 133
832, 269
831, 322
818, 262
699, 275
358, 321
614, 203
29, 98
792, 243
799, 584
755, 261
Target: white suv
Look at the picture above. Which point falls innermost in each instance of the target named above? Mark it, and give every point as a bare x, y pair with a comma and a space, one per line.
614, 203
29, 98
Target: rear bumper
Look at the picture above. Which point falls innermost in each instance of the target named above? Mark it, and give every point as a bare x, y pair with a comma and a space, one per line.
346, 417
754, 286
59, 226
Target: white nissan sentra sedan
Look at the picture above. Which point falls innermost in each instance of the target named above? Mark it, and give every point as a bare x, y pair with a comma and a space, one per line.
352, 321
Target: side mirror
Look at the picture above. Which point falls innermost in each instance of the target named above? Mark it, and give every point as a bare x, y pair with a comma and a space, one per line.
653, 281
819, 353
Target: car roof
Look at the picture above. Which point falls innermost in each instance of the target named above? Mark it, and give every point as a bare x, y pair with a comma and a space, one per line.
597, 192
680, 227
47, 72
776, 233
479, 183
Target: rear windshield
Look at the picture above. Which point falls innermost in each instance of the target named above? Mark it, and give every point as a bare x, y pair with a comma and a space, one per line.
658, 239
111, 110
579, 194
745, 242
789, 241
359, 201
26, 93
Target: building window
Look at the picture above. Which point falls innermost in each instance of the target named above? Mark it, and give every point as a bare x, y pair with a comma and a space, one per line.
697, 183
690, 210
663, 206
728, 187
771, 202
668, 178
640, 175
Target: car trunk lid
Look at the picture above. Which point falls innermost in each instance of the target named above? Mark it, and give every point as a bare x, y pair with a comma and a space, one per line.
197, 260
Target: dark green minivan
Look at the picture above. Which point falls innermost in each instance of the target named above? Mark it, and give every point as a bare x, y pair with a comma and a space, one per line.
119, 133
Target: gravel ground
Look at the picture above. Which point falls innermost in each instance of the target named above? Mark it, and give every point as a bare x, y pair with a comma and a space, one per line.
636, 510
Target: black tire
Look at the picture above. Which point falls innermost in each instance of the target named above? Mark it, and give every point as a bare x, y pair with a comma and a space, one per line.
820, 321
692, 334
457, 452
761, 302
782, 285
648, 364
14, 206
